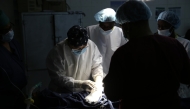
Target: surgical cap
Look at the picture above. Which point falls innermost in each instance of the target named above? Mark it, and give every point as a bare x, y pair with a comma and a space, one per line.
133, 11
77, 36
169, 17
105, 15
4, 20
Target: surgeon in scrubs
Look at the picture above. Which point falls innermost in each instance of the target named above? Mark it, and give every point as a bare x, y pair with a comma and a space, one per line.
168, 22
75, 64
12, 73
106, 35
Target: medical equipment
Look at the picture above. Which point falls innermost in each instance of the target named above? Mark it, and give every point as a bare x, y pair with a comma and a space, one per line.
11, 81
29, 101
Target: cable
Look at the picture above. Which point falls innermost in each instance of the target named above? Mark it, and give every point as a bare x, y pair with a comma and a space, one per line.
16, 86
30, 102
12, 83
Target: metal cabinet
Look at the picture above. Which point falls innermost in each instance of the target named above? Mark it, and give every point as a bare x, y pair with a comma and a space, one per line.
41, 31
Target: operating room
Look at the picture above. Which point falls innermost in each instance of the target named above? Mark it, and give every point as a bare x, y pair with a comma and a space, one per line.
41, 24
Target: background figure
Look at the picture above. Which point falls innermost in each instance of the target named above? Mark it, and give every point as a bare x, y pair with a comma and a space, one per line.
187, 35
146, 72
106, 36
75, 65
12, 72
168, 22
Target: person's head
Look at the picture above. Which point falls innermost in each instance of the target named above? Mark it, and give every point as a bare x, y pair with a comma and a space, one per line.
133, 17
6, 32
167, 22
106, 18
77, 39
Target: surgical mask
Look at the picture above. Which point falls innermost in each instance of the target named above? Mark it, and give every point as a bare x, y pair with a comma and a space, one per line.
105, 32
8, 36
165, 32
79, 52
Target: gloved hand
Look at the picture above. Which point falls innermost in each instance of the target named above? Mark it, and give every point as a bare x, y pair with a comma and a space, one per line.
87, 85
95, 95
96, 92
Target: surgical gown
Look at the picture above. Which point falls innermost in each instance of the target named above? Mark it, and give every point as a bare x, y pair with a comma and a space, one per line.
64, 66
107, 44
185, 43
12, 73
146, 72
184, 90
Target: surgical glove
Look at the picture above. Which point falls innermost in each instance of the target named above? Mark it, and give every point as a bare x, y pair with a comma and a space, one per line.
95, 94
87, 85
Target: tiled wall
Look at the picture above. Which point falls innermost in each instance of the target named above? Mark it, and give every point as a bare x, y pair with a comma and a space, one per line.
90, 7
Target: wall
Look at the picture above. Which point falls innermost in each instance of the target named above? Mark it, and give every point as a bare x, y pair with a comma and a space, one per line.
90, 7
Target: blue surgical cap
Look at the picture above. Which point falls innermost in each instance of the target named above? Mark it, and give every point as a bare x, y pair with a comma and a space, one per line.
133, 11
105, 15
169, 17
4, 20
